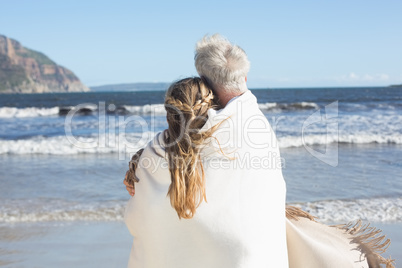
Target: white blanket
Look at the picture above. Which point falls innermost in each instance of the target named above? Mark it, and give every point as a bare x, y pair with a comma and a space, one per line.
242, 224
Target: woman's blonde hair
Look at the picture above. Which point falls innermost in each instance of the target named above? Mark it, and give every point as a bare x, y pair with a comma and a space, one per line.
187, 102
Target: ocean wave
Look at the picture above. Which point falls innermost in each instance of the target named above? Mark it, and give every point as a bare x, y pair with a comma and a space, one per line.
343, 211
63, 145
131, 142
273, 106
324, 139
17, 212
82, 110
328, 211
157, 109
12, 112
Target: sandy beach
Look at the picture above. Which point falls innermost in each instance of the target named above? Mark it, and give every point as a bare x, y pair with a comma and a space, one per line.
78, 244
94, 244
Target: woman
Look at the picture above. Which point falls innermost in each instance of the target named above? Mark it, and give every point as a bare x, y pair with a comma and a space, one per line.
189, 213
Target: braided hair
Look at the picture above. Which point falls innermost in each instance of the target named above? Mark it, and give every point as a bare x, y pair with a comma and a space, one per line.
186, 102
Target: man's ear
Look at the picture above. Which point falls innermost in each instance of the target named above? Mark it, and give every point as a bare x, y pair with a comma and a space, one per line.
246, 78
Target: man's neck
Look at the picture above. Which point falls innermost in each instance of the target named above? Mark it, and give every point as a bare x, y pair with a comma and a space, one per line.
225, 98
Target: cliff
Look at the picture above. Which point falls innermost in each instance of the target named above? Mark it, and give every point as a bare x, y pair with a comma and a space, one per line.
23, 70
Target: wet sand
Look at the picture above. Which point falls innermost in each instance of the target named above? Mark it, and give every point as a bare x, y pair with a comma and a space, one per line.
78, 244
95, 244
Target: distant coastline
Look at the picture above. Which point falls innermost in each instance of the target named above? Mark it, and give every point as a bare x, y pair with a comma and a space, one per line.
131, 87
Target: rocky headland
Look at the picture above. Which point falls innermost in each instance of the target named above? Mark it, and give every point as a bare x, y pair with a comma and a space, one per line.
23, 70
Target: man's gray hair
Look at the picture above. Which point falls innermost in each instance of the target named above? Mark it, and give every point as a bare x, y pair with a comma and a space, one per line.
221, 63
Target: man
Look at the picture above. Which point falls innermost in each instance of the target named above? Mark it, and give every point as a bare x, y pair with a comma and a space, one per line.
252, 186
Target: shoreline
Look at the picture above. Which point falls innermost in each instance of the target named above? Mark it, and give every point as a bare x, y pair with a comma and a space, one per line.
102, 244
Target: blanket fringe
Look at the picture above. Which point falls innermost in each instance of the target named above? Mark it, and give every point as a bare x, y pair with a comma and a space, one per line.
369, 240
370, 243
294, 213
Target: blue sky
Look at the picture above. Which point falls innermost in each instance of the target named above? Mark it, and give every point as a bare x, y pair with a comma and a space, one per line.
289, 43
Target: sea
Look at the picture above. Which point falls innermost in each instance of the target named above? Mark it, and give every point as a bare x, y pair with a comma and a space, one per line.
63, 157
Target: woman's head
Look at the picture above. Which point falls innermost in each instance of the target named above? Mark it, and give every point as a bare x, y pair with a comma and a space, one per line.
187, 102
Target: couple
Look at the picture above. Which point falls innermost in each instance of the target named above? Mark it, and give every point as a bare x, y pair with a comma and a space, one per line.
210, 189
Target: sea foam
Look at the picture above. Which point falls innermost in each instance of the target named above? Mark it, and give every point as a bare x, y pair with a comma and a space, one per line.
343, 211
62, 145
327, 211
13, 112
156, 109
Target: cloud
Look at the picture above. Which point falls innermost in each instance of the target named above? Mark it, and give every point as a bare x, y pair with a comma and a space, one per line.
353, 77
